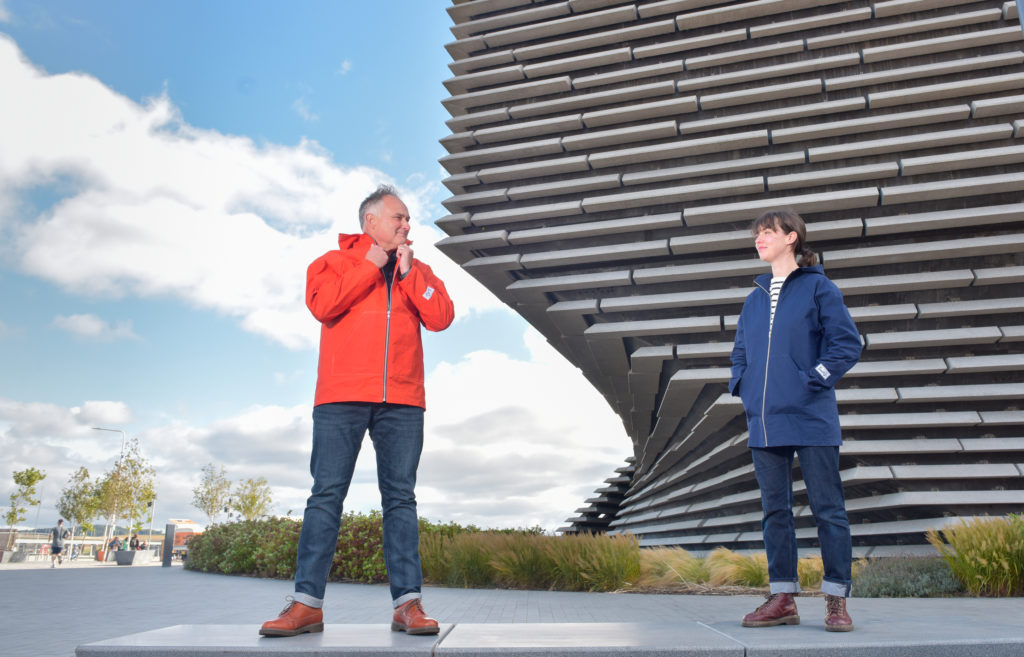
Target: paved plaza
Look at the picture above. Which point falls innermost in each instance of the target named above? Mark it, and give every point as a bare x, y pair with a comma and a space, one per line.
48, 612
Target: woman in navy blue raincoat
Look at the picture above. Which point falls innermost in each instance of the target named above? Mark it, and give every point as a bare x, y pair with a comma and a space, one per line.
794, 341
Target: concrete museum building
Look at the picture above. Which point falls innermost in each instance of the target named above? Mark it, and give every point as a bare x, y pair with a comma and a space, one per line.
606, 158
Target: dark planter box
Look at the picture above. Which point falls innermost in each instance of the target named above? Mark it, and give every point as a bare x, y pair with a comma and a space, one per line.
124, 557
132, 557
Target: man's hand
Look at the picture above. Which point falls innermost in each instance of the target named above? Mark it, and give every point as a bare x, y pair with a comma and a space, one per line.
404, 254
377, 256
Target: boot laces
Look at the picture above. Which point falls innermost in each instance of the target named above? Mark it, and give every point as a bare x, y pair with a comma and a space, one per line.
833, 605
768, 600
290, 603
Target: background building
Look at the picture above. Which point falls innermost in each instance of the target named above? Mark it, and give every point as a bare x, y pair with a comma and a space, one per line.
606, 159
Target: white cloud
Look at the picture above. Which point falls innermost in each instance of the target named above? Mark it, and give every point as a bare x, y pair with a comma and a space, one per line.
5, 15
92, 327
152, 206
301, 107
344, 67
107, 413
515, 443
508, 443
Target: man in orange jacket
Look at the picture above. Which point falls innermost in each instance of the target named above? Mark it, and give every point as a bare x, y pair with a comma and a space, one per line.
371, 297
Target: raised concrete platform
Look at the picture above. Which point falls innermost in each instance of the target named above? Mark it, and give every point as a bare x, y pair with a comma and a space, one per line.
923, 637
199, 640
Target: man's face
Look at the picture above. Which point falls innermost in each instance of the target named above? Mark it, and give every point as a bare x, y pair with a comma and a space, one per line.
389, 225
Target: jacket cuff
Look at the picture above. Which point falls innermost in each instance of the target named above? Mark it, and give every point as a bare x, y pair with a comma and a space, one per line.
821, 377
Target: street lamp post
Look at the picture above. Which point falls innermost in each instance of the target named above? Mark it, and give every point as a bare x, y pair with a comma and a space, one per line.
120, 464
152, 513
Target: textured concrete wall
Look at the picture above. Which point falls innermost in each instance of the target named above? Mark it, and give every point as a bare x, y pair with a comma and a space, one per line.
606, 158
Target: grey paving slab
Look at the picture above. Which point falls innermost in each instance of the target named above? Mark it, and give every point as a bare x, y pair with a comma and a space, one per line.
50, 612
606, 639
203, 640
891, 627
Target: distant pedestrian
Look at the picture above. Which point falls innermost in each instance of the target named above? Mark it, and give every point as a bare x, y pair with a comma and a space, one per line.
133, 544
794, 341
113, 546
57, 537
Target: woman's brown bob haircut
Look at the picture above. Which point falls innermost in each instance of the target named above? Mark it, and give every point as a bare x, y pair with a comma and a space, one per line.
788, 222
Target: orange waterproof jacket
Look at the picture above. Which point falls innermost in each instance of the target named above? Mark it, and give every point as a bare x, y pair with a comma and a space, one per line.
370, 350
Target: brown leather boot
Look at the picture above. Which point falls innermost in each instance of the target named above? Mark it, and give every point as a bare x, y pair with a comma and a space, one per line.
411, 619
295, 618
778, 609
836, 618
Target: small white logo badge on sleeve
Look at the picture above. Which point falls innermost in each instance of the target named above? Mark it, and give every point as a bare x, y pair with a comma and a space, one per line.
822, 372
429, 293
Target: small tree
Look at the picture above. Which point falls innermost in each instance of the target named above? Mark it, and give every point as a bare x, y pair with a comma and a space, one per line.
109, 501
79, 502
140, 491
211, 495
22, 498
126, 489
252, 498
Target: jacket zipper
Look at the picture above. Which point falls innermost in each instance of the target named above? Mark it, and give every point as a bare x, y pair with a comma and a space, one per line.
387, 333
767, 358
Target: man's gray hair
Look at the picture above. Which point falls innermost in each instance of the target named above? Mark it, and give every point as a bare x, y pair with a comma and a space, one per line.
371, 202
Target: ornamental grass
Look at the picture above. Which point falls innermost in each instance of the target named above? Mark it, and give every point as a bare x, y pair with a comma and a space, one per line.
986, 555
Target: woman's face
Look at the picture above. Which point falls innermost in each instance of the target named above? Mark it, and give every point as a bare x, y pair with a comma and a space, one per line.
772, 243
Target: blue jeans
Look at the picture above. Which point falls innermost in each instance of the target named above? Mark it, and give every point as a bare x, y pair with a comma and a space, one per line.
338, 430
820, 467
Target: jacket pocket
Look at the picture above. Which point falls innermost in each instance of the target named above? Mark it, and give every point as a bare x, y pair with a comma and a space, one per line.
789, 390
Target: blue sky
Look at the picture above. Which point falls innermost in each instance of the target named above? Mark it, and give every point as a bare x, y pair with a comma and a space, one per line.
167, 170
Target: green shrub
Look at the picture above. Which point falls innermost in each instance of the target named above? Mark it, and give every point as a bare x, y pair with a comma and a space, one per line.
904, 577
986, 555
264, 548
267, 548
359, 555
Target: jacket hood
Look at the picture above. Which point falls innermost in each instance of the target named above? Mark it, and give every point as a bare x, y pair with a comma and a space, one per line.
346, 242
764, 280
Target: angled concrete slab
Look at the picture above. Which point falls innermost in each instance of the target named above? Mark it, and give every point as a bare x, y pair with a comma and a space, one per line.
952, 632
204, 640
606, 639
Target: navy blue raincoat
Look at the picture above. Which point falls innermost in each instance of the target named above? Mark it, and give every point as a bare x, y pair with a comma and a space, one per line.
787, 380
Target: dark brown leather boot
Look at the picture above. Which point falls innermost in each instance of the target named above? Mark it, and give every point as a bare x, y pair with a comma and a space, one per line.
778, 609
836, 618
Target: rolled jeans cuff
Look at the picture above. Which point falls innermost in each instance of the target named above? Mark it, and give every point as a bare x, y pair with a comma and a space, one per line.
839, 589
308, 600
399, 601
784, 586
